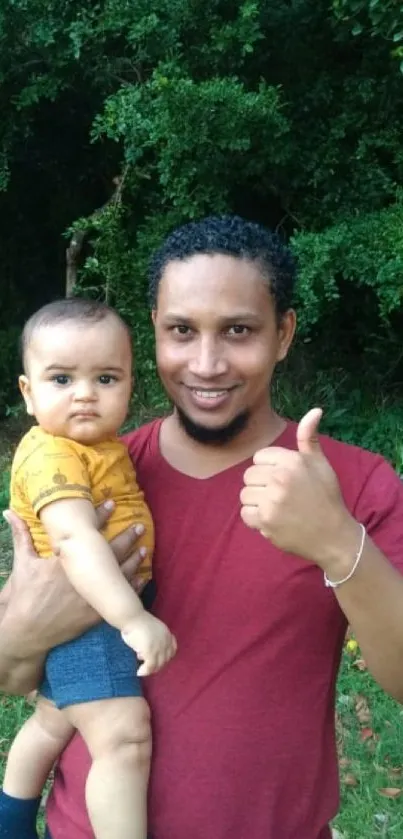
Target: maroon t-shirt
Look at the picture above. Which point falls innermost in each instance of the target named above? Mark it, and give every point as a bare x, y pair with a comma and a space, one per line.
243, 718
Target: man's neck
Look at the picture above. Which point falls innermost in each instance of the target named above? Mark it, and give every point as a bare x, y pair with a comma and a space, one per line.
203, 460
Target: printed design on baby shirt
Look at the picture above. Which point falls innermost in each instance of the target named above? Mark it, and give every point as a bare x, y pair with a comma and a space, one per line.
47, 493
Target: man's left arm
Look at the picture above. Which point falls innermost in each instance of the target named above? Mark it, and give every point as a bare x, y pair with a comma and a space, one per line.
372, 600
293, 498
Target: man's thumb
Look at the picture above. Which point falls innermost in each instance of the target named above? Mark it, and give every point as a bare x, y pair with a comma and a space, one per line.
21, 536
307, 432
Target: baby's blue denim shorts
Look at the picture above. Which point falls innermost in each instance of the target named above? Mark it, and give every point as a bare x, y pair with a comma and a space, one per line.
97, 665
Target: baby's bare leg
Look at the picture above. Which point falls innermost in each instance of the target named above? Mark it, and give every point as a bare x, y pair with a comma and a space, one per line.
118, 735
35, 749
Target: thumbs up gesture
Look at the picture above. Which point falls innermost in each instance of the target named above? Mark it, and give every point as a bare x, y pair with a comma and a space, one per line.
293, 497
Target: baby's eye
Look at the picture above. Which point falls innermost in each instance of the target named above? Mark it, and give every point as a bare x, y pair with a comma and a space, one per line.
106, 379
61, 379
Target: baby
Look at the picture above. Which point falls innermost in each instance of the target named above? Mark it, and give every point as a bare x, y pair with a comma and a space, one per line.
77, 383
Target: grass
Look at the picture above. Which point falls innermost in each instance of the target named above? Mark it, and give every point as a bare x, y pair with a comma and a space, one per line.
369, 723
370, 739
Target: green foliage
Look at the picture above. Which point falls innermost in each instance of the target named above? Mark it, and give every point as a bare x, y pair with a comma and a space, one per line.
10, 367
355, 410
289, 113
195, 141
4, 490
364, 251
377, 18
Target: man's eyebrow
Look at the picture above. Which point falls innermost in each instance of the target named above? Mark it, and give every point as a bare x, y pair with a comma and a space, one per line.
230, 318
176, 316
245, 315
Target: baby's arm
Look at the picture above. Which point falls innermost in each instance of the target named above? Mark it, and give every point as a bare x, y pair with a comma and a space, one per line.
92, 569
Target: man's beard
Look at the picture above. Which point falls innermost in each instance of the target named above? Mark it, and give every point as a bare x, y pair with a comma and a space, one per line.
218, 436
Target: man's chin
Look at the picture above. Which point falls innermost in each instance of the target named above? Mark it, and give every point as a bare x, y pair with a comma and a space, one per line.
217, 435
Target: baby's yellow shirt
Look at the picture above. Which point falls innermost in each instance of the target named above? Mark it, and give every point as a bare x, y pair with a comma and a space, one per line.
47, 468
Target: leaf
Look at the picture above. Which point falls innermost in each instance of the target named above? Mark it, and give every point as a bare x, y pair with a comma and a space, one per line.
366, 734
344, 762
362, 709
395, 772
350, 780
390, 792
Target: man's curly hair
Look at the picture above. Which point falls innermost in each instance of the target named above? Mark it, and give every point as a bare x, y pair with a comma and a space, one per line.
236, 237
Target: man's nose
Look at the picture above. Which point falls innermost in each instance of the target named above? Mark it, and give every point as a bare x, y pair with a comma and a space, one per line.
208, 359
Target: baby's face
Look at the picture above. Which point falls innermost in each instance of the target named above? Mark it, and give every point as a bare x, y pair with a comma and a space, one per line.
79, 379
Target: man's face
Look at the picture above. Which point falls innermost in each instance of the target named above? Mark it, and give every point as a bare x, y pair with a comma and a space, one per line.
218, 341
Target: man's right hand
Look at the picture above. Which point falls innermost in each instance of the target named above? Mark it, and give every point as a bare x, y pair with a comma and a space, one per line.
42, 608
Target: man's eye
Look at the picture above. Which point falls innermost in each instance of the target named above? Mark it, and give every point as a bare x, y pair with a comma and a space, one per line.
61, 379
238, 329
105, 379
181, 329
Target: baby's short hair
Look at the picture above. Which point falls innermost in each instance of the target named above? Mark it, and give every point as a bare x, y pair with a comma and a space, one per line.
77, 309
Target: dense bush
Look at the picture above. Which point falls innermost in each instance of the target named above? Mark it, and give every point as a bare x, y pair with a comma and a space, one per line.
289, 113
10, 367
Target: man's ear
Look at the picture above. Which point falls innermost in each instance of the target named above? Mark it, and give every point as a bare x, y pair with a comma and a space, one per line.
25, 388
286, 333
153, 316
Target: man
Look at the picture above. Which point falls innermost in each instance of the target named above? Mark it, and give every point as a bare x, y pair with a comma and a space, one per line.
269, 539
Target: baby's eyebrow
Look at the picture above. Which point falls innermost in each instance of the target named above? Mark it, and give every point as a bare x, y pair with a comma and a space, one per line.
109, 369
63, 367
59, 367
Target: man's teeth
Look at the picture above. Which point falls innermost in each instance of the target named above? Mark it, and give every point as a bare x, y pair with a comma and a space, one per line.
209, 394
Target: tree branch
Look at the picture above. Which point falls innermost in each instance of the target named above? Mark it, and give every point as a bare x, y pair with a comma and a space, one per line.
73, 252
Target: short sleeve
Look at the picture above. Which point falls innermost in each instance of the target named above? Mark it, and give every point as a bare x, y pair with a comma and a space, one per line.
380, 508
53, 470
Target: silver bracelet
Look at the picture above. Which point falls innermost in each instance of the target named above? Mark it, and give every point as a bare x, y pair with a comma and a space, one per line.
330, 583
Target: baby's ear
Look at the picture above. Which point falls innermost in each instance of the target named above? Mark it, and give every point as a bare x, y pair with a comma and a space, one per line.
25, 388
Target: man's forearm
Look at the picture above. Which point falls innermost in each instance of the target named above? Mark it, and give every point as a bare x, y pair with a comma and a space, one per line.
18, 675
372, 601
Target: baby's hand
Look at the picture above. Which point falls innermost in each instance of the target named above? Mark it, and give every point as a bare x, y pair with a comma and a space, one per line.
152, 641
